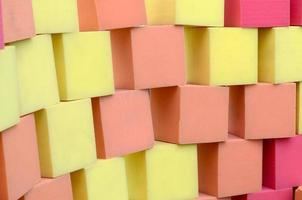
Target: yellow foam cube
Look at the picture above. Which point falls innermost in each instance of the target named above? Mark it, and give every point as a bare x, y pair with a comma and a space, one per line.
9, 106
280, 55
185, 12
222, 56
84, 64
65, 137
55, 16
167, 171
37, 74
105, 179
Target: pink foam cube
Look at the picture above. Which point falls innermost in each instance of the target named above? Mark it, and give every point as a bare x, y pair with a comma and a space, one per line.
123, 123
257, 13
263, 111
190, 114
148, 57
268, 194
296, 12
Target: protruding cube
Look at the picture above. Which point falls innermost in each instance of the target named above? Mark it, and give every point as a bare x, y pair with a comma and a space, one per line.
84, 64
298, 193
113, 14
36, 73
280, 55
215, 58
105, 179
54, 189
9, 107
255, 13
55, 16
203, 196
167, 171
65, 137
123, 123
263, 111
266, 194
148, 57
224, 168
190, 114
282, 166
19, 159
296, 12
185, 12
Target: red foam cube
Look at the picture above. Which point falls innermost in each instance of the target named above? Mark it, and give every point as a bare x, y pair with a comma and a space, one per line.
268, 194
296, 12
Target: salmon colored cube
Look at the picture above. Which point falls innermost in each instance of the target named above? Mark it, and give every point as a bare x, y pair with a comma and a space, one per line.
296, 12
267, 194
263, 111
203, 196
298, 193
52, 189
148, 57
122, 123
1, 28
113, 14
19, 159
230, 168
190, 114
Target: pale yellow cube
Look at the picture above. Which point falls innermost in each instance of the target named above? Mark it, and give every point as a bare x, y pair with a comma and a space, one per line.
84, 64
105, 179
66, 138
222, 56
167, 171
280, 55
36, 73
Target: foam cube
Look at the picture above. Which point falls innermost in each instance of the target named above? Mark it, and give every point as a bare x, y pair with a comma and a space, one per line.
167, 171
105, 179
19, 159
280, 56
52, 189
1, 28
65, 137
18, 22
203, 196
267, 193
113, 14
281, 167
36, 73
215, 58
55, 16
84, 64
298, 193
222, 178
9, 107
123, 123
299, 108
190, 114
148, 57
254, 13
185, 12
263, 111
296, 12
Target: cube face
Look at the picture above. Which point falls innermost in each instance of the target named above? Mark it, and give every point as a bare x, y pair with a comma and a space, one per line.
65, 137
299, 108
84, 64
298, 193
267, 193
160, 12
106, 179
9, 108
295, 12
55, 16
36, 71
19, 157
128, 111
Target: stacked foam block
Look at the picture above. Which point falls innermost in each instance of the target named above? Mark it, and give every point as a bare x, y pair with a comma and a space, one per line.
150, 99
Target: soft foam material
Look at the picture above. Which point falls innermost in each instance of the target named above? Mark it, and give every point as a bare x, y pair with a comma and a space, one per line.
113, 14
263, 111
84, 64
65, 137
268, 194
167, 171
105, 179
51, 189
148, 57
224, 168
203, 196
298, 193
185, 12
280, 55
123, 123
36, 74
19, 159
255, 13
190, 114
1, 28
299, 108
296, 12
9, 107
215, 58
55, 16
